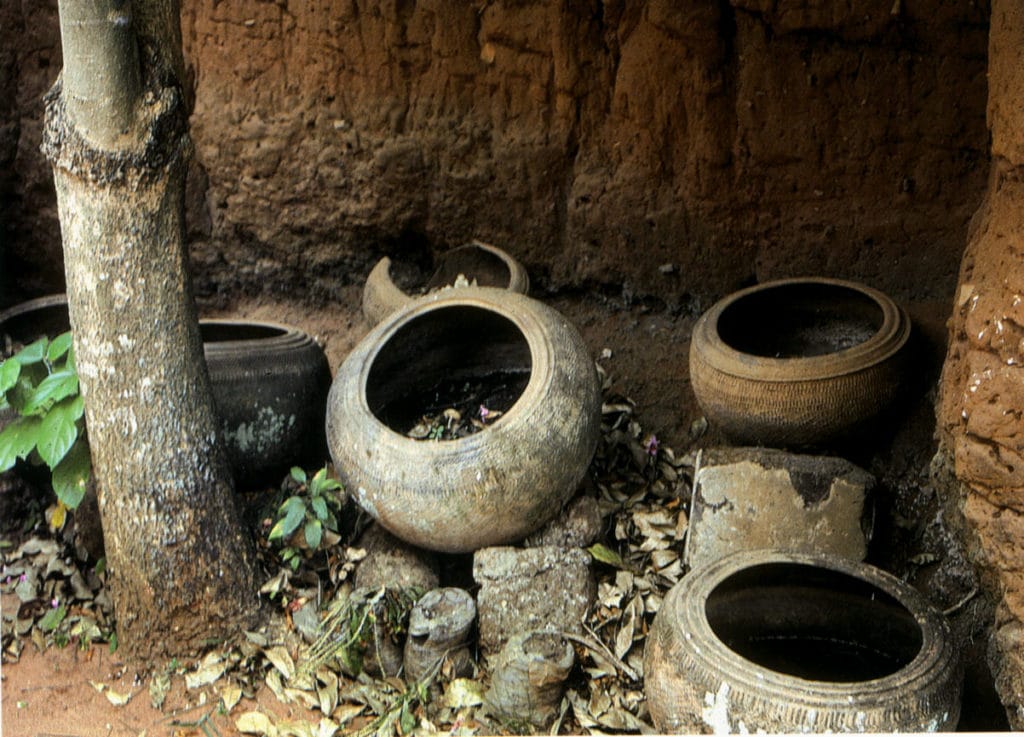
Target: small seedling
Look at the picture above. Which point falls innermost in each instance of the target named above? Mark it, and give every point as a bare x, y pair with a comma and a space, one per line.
313, 505
40, 383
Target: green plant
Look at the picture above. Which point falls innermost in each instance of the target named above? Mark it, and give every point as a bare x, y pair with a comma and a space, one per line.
313, 505
40, 383
353, 627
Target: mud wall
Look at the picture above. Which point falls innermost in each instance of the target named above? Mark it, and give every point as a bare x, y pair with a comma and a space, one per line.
665, 149
980, 413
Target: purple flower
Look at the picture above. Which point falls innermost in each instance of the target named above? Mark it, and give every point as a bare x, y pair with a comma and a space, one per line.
23, 578
651, 445
54, 603
484, 412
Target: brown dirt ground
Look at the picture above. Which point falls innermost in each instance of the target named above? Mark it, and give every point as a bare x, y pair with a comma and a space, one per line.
49, 694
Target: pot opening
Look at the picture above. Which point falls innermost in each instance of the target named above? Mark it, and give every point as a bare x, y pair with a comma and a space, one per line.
218, 331
475, 264
799, 320
36, 321
458, 359
813, 623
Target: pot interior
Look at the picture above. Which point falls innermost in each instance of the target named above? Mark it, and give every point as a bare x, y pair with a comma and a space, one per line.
475, 263
46, 319
223, 331
799, 320
456, 356
813, 623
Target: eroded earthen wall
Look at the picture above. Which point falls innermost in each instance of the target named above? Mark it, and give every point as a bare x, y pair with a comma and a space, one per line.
981, 412
599, 141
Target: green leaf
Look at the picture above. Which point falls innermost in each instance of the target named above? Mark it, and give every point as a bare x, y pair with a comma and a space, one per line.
76, 407
58, 347
407, 719
319, 507
71, 475
606, 555
53, 388
18, 440
10, 370
52, 619
32, 353
294, 512
58, 432
314, 532
298, 474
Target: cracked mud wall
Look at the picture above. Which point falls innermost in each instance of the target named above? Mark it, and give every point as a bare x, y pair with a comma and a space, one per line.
981, 426
597, 141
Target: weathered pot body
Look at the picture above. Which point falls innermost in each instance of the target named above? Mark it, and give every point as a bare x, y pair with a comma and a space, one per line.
269, 385
786, 642
488, 488
798, 362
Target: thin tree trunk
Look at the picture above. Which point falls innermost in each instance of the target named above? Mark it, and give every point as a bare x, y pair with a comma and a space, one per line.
116, 133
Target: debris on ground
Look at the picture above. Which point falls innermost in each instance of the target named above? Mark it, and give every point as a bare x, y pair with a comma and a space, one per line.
639, 489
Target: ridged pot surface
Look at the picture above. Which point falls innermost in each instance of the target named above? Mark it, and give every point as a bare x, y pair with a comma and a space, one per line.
764, 381
787, 642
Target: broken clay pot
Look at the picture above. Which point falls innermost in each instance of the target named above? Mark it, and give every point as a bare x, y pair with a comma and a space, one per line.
481, 264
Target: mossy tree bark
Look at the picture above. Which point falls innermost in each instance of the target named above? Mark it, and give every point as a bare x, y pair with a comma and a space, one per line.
117, 136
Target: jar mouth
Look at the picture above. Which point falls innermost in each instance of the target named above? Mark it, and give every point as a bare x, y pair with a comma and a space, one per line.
229, 331
799, 320
813, 623
462, 358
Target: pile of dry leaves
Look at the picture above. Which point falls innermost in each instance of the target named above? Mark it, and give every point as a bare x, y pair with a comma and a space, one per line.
643, 491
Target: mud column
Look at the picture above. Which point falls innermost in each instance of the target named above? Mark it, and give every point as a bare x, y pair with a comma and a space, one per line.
981, 406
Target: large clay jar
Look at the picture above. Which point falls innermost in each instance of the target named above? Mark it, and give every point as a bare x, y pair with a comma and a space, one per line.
269, 384
481, 264
787, 643
799, 362
487, 488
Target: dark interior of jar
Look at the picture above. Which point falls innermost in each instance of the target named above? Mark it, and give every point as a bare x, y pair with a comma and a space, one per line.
217, 331
813, 623
473, 262
799, 320
25, 327
453, 356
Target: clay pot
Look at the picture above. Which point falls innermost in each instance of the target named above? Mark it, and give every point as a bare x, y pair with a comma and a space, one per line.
269, 383
792, 643
482, 263
798, 362
487, 488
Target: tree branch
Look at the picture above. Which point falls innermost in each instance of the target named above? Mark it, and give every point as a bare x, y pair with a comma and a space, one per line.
101, 75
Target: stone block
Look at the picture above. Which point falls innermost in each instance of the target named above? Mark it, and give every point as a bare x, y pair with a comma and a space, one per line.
751, 498
532, 589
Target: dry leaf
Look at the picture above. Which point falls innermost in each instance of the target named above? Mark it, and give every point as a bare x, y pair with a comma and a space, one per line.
255, 722
116, 698
230, 696
281, 660
462, 693
208, 672
347, 712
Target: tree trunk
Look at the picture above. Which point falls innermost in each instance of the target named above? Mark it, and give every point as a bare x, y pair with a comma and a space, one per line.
117, 136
